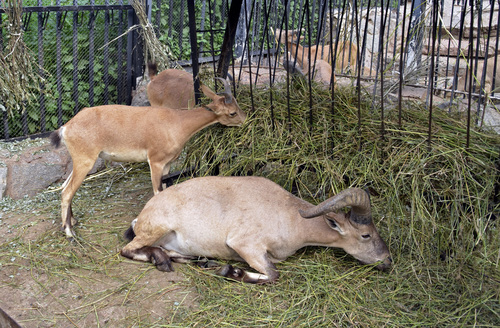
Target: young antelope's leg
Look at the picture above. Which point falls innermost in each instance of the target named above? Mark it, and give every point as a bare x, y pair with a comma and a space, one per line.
158, 169
71, 185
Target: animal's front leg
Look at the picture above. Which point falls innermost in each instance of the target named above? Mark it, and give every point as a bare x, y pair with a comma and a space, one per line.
257, 259
155, 255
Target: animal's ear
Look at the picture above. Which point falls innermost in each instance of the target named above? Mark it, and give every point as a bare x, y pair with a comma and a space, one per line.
209, 93
334, 224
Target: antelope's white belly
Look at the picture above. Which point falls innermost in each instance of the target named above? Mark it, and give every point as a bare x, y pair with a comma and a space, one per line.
129, 156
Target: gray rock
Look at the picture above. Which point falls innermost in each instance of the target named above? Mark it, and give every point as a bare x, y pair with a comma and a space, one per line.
32, 166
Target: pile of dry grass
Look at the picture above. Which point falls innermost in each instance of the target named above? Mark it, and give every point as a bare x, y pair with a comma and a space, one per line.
432, 202
21, 78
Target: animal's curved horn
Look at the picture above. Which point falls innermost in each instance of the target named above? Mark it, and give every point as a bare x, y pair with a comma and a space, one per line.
358, 199
227, 90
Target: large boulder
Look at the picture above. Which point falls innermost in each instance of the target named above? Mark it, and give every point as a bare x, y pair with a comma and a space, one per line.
30, 166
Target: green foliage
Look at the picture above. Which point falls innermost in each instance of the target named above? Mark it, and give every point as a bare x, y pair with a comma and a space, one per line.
62, 99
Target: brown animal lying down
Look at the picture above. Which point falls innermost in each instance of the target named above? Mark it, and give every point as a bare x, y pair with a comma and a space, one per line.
321, 58
488, 79
250, 219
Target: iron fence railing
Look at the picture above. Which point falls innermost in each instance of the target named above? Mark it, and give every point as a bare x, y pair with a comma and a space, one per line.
80, 60
89, 57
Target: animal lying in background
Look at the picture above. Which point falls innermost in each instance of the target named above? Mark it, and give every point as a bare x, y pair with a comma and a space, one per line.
172, 88
136, 134
322, 71
488, 79
298, 61
345, 56
250, 219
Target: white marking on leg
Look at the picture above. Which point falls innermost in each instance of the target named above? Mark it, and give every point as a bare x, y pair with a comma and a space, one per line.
256, 276
68, 231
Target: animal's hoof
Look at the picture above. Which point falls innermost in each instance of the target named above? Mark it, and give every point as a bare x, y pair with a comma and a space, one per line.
165, 266
208, 264
229, 271
225, 270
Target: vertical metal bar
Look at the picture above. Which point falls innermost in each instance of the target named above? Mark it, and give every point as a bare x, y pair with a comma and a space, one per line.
194, 50
211, 15
243, 28
181, 22
414, 49
380, 58
266, 35
119, 65
91, 55
171, 19
401, 66
332, 86
106, 55
449, 45
241, 37
5, 117
158, 18
358, 83
495, 67
383, 20
439, 31
469, 56
485, 67
476, 57
435, 15
247, 24
202, 22
58, 66
229, 34
1, 34
75, 59
457, 63
130, 52
41, 96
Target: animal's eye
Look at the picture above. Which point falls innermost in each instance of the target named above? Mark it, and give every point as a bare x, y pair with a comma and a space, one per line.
232, 114
365, 236
332, 223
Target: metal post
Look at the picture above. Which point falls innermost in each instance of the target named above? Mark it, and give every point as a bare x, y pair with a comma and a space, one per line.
194, 50
241, 34
229, 35
414, 49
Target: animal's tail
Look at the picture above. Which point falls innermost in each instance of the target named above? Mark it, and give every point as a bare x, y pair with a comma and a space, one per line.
152, 70
55, 138
130, 234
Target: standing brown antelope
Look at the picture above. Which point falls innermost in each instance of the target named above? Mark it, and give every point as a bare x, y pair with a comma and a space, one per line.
136, 134
250, 219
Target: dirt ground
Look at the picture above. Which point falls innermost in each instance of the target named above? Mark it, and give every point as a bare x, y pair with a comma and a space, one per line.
46, 281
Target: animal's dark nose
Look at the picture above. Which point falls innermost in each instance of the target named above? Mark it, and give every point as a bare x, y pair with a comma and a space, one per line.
385, 265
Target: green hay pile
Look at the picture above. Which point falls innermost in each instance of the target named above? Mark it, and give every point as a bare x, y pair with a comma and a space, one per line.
432, 203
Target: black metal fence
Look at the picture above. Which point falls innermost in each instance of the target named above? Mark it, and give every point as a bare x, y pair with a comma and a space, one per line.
90, 57
80, 62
